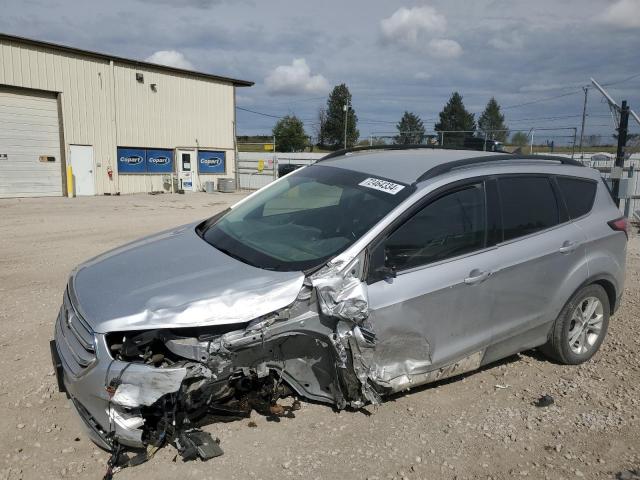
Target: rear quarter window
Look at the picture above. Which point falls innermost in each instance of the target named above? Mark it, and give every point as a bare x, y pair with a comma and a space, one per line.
578, 195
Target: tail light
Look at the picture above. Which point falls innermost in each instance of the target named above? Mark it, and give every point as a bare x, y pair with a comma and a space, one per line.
620, 225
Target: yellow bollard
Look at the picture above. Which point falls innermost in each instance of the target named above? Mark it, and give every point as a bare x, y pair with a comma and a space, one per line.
70, 190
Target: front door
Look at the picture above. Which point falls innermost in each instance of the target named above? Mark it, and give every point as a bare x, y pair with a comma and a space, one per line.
437, 310
186, 170
81, 161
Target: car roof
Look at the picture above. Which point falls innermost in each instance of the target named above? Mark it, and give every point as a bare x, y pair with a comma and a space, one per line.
411, 164
405, 166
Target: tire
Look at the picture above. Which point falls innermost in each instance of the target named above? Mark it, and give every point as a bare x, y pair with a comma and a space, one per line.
580, 328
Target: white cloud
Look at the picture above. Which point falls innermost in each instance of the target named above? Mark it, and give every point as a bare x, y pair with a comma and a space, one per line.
295, 79
410, 26
422, 76
623, 13
170, 58
419, 29
443, 48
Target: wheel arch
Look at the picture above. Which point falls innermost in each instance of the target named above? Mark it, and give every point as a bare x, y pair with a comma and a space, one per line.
608, 283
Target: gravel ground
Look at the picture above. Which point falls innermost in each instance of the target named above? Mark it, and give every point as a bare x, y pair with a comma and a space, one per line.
481, 425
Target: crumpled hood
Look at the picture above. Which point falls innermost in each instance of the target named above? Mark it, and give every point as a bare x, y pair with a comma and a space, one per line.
175, 279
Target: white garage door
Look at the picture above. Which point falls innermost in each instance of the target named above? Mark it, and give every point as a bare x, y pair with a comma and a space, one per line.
30, 160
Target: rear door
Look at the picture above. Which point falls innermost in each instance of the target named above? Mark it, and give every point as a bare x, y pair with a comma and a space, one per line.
437, 308
540, 250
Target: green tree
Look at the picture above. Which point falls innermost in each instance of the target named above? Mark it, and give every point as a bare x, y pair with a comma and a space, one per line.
333, 133
454, 117
290, 134
519, 139
491, 122
410, 129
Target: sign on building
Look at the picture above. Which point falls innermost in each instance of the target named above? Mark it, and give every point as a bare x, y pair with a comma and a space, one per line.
144, 160
211, 161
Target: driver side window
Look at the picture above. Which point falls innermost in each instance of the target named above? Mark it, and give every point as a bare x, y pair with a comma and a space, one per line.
449, 226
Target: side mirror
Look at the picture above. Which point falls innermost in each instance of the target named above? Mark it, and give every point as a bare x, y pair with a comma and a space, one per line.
386, 272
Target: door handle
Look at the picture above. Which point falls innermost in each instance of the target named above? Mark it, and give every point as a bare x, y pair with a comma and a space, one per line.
568, 246
476, 276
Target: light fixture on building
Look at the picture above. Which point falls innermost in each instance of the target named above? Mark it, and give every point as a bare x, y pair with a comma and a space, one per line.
139, 78
154, 87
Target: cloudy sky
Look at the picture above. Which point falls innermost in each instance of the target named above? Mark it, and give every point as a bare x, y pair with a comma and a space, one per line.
394, 55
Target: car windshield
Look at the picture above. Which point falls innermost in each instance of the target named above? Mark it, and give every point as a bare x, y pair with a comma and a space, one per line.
305, 219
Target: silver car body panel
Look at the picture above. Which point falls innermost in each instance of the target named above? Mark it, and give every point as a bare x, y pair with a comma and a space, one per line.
176, 279
331, 336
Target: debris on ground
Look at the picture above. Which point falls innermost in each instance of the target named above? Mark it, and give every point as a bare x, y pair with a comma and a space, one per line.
544, 401
193, 444
629, 475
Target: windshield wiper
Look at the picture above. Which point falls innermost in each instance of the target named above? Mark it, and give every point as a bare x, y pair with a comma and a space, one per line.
233, 255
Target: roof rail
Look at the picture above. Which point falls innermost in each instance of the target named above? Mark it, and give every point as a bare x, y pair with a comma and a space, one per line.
447, 167
364, 148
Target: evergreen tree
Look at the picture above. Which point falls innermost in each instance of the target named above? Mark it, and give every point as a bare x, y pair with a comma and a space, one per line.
491, 122
410, 129
333, 133
290, 134
455, 117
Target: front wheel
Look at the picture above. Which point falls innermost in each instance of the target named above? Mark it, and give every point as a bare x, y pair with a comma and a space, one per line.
580, 328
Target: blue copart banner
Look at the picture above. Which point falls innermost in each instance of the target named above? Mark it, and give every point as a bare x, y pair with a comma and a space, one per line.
141, 160
132, 160
211, 162
159, 161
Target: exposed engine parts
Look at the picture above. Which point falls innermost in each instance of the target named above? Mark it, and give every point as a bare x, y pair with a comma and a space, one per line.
166, 383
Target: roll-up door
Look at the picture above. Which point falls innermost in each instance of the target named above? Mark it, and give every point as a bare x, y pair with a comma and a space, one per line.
30, 155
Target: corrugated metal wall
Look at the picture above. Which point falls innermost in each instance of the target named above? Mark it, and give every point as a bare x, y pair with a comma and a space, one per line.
103, 105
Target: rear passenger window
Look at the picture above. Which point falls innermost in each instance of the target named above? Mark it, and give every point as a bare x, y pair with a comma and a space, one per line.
528, 205
578, 195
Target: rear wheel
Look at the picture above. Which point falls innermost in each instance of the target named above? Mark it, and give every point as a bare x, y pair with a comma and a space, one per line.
580, 328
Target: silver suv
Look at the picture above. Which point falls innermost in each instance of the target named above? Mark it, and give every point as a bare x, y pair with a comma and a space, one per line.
367, 273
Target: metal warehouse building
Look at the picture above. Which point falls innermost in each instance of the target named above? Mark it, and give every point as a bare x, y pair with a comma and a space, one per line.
122, 125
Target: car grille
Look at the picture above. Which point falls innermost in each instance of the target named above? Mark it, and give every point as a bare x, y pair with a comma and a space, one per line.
75, 339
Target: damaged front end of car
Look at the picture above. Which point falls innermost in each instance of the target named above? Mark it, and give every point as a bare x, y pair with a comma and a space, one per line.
161, 383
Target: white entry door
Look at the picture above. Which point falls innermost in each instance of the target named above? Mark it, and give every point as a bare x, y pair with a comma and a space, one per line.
81, 160
187, 170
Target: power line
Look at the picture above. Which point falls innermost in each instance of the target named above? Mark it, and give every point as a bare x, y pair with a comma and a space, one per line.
270, 115
636, 75
546, 99
258, 113
560, 117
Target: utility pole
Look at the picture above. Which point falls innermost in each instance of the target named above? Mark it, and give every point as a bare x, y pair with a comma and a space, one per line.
531, 132
584, 116
622, 124
346, 118
622, 143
